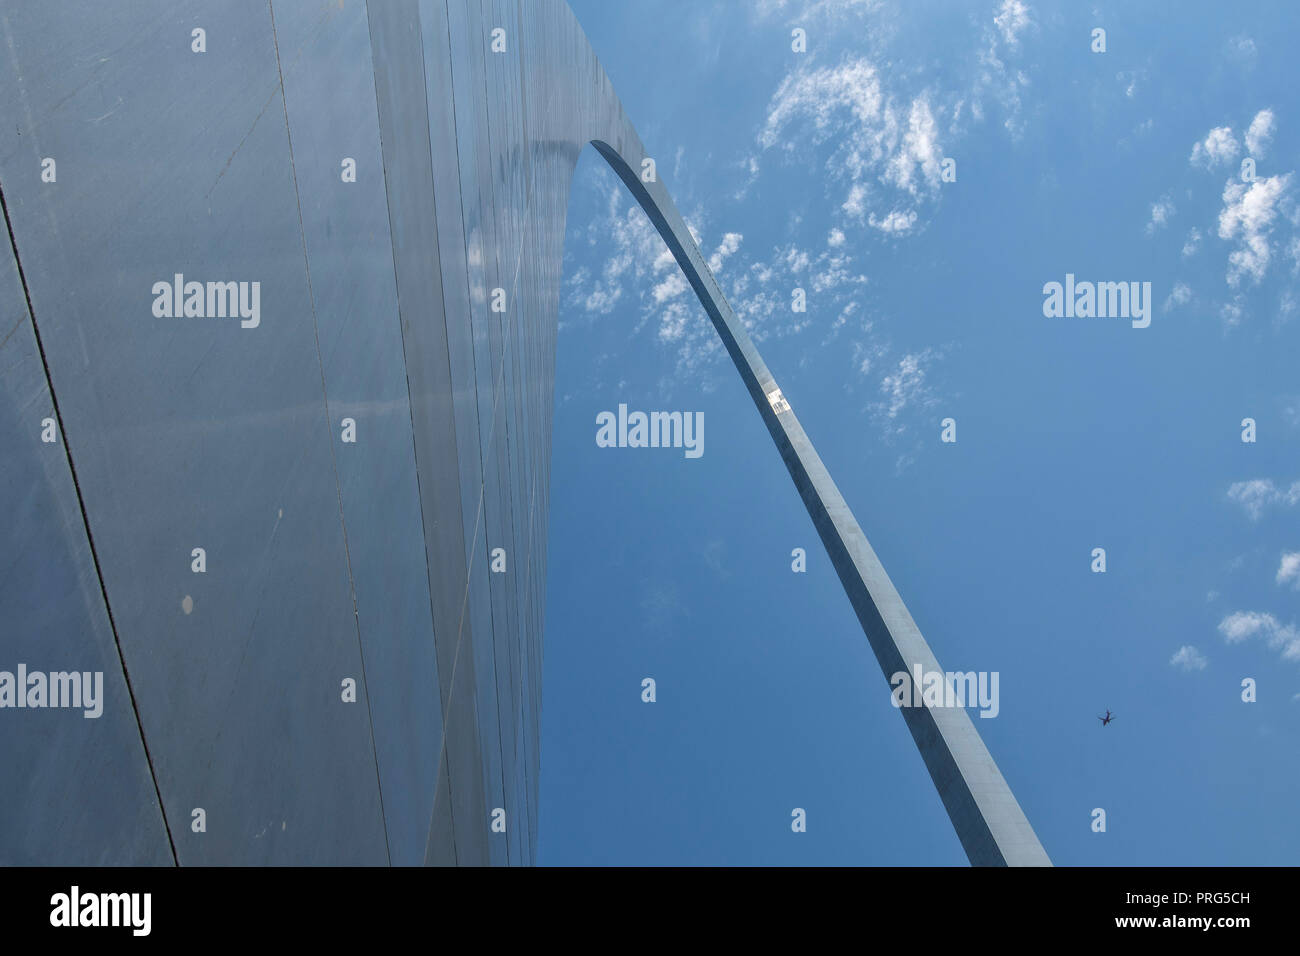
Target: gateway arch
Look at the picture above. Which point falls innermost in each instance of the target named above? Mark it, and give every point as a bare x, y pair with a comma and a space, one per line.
278, 311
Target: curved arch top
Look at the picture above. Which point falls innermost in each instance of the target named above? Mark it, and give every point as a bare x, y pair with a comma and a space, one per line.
989, 822
277, 329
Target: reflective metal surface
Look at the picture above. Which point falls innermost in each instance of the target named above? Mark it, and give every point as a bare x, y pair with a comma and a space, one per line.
349, 458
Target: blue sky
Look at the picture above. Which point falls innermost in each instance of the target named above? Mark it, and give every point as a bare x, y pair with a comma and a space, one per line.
822, 170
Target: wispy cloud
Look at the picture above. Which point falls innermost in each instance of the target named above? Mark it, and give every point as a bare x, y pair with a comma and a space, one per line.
885, 127
639, 273
714, 553
726, 248
750, 167
1259, 494
905, 387
1242, 49
1179, 296
1260, 133
1291, 410
661, 603
1219, 148
1253, 216
1232, 312
1188, 658
1288, 570
1162, 211
896, 223
853, 124
1249, 211
1011, 20
809, 11
887, 150
997, 78
820, 95
1241, 625
1130, 80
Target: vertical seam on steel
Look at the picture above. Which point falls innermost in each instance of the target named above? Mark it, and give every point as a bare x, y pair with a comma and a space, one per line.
504, 485
478, 445
329, 432
415, 457
85, 519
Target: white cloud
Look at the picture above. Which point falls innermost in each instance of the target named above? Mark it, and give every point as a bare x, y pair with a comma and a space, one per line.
806, 10
1231, 313
906, 386
918, 154
896, 223
1288, 571
865, 356
884, 128
845, 313
820, 95
1218, 148
833, 273
879, 139
1240, 625
1130, 80
997, 78
1249, 210
1011, 20
862, 360
1188, 658
634, 252
1260, 493
730, 243
1161, 212
1181, 295
751, 167
835, 239
1260, 133
673, 285
673, 321
602, 300
855, 204
1192, 244
1242, 47
1291, 410
638, 267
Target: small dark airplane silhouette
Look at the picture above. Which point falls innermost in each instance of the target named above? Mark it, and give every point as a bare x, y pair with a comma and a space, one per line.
1107, 719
